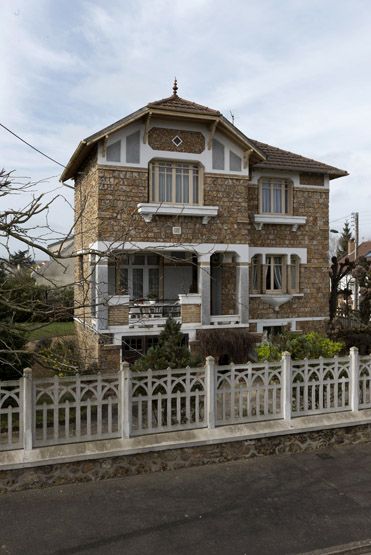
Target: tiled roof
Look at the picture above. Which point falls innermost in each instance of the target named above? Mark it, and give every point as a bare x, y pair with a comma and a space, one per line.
175, 102
283, 159
364, 249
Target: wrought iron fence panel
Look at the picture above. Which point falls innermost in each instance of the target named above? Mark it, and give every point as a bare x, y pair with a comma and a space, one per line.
365, 382
320, 386
168, 400
248, 392
76, 408
11, 431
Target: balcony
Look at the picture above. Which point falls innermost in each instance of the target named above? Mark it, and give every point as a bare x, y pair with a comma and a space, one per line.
153, 313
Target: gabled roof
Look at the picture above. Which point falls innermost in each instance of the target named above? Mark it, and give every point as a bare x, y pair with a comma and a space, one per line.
285, 160
261, 154
175, 102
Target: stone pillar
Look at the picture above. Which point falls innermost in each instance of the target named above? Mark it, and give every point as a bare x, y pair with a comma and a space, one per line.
102, 296
243, 291
204, 288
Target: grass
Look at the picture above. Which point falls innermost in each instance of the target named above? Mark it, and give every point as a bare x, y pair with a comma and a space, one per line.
36, 331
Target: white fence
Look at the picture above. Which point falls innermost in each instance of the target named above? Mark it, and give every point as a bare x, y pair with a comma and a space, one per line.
41, 412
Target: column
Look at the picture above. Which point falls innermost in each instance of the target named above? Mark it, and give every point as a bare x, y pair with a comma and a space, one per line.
243, 290
204, 288
101, 296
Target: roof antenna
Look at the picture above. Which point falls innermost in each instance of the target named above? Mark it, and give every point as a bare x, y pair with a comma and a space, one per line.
175, 88
232, 116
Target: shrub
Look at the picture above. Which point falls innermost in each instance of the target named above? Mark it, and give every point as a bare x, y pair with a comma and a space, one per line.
359, 337
60, 355
228, 345
171, 352
309, 345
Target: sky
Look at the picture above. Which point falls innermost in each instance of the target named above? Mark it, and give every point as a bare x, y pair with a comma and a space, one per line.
294, 73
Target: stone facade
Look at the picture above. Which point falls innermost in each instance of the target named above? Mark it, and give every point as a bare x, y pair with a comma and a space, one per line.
106, 210
191, 313
174, 459
160, 138
118, 315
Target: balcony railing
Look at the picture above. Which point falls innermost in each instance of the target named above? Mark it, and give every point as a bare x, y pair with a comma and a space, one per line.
155, 310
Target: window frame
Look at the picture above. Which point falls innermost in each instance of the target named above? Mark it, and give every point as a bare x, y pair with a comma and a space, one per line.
286, 204
290, 266
130, 268
173, 165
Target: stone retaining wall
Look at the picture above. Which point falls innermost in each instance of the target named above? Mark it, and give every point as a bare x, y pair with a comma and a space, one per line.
173, 459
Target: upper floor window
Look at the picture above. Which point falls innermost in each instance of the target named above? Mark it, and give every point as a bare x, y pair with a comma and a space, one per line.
275, 196
113, 153
175, 182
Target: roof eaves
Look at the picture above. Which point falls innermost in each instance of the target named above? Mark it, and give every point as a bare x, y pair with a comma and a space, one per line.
242, 136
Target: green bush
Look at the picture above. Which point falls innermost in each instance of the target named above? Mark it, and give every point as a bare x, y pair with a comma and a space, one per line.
171, 352
309, 345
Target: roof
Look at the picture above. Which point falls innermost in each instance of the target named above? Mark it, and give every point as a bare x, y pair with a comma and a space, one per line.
285, 160
175, 102
262, 155
363, 250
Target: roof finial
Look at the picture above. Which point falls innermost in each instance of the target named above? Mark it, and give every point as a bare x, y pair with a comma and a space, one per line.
175, 88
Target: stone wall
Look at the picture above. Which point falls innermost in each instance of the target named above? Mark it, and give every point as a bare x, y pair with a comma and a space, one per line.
118, 315
160, 138
314, 281
229, 286
191, 313
88, 344
174, 459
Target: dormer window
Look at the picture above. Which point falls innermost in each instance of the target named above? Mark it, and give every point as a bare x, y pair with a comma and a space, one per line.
175, 182
275, 196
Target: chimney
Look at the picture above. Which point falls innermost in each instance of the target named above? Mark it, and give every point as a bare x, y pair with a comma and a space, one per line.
351, 248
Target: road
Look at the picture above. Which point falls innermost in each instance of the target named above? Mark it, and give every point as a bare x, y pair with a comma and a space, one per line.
286, 504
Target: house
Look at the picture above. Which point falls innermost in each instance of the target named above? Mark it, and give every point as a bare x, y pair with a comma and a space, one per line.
348, 284
57, 272
179, 213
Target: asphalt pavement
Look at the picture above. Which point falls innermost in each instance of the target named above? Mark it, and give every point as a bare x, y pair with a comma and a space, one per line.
285, 504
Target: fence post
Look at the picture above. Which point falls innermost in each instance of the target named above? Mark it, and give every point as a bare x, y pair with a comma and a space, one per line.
27, 407
286, 385
210, 391
125, 399
354, 378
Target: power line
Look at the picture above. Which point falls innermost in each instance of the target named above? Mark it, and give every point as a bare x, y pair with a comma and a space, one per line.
31, 146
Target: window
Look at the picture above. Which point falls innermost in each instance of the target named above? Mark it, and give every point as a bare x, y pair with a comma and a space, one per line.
175, 182
218, 155
133, 148
235, 162
275, 196
277, 275
93, 286
138, 275
113, 153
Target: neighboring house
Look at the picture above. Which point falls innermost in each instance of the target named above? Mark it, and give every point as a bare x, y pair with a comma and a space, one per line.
58, 272
221, 230
348, 282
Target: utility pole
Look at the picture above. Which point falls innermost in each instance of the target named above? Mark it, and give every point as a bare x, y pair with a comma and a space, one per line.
355, 223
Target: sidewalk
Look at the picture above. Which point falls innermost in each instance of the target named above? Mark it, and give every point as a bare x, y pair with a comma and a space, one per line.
287, 504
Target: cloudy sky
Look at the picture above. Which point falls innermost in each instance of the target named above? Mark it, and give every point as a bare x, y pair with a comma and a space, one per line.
295, 74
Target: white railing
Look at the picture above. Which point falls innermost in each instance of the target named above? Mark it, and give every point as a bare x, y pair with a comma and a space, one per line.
51, 411
249, 392
78, 408
166, 400
365, 382
11, 425
320, 386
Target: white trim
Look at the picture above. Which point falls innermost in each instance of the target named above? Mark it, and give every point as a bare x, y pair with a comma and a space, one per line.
278, 219
203, 250
148, 210
284, 321
189, 298
300, 252
116, 300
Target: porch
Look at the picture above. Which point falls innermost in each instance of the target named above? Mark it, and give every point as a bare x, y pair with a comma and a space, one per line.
142, 288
